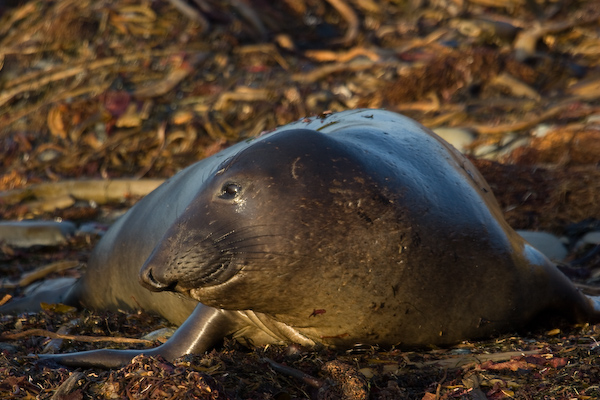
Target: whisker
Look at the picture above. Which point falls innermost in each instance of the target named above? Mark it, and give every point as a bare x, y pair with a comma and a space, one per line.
239, 232
242, 240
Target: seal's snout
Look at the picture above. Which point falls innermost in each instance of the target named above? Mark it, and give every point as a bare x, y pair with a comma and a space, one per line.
148, 280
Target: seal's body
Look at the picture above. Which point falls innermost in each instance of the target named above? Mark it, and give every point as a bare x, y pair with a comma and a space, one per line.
359, 227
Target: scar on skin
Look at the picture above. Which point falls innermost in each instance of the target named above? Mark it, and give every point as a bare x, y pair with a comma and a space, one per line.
294, 175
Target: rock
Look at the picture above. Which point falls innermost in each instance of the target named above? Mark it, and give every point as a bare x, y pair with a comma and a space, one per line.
9, 348
50, 285
486, 151
589, 239
550, 245
35, 233
459, 138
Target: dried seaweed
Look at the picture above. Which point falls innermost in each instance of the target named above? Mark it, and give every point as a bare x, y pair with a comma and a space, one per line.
119, 89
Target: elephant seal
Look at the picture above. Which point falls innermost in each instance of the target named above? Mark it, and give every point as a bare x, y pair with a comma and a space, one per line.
356, 227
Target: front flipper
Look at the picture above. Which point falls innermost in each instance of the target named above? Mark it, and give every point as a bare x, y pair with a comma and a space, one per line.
203, 329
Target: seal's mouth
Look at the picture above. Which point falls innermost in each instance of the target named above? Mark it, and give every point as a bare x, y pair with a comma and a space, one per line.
213, 274
188, 278
223, 274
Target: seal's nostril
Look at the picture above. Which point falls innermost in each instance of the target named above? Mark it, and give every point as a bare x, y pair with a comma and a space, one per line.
150, 282
153, 281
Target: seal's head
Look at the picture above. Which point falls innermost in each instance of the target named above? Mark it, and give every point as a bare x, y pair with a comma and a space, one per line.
270, 223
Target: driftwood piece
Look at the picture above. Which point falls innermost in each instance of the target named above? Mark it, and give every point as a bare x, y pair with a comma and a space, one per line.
39, 273
98, 191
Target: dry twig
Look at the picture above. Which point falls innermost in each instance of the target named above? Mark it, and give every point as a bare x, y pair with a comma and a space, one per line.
351, 18
78, 338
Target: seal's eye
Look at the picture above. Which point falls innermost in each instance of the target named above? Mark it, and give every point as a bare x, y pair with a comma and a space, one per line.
230, 191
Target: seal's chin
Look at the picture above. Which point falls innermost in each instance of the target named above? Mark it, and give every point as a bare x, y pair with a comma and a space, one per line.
184, 292
195, 294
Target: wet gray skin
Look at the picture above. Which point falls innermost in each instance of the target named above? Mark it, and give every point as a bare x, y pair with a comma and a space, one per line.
359, 227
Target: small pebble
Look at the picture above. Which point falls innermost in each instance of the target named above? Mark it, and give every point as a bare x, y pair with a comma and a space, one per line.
542, 130
159, 335
460, 351
48, 155
594, 118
